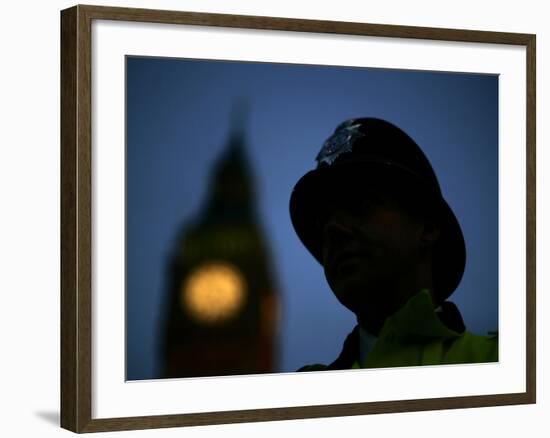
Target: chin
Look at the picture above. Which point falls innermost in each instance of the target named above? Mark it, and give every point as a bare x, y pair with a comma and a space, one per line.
366, 301
353, 294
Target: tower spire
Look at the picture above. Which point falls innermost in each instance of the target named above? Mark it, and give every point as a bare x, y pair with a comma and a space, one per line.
240, 110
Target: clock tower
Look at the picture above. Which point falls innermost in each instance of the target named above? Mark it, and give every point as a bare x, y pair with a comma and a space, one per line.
222, 304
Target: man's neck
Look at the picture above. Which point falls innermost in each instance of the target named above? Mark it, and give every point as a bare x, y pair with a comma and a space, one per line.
370, 324
374, 323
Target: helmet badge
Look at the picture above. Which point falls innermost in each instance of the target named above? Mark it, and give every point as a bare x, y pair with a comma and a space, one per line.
345, 135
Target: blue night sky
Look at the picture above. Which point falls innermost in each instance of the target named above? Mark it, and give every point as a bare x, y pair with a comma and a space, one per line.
178, 122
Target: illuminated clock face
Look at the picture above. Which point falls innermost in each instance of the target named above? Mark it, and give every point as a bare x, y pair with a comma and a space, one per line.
214, 292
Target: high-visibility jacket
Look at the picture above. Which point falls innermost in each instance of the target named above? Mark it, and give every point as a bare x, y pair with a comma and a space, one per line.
418, 335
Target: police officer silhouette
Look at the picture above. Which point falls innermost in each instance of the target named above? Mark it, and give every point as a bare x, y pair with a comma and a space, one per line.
373, 215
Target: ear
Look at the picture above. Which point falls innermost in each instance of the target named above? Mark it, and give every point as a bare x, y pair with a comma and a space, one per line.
430, 233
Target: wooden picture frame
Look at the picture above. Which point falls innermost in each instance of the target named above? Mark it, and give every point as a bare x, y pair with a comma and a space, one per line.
76, 218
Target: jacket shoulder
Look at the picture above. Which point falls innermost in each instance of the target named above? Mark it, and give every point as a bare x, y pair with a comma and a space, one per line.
473, 348
313, 367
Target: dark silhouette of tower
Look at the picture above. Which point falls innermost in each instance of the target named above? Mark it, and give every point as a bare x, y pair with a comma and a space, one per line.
222, 304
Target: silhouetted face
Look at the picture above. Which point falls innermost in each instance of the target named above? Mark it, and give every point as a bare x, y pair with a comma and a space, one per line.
374, 254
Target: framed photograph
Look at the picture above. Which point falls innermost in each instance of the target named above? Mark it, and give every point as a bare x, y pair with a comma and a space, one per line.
268, 218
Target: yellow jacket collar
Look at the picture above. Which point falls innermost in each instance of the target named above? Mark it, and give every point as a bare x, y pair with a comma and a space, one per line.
417, 319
